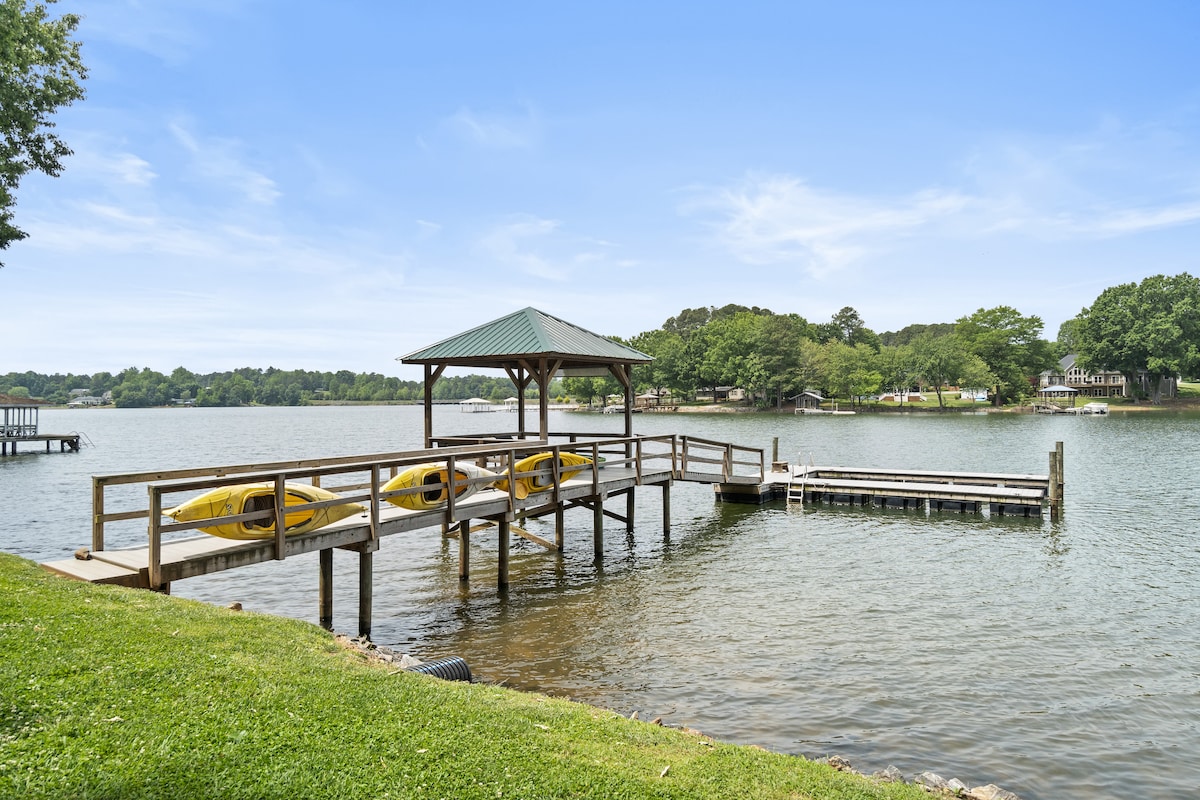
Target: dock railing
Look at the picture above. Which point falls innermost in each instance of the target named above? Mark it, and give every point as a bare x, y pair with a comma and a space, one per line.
698, 455
358, 479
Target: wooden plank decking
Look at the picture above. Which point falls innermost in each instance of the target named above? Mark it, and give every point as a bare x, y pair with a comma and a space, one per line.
1000, 493
200, 555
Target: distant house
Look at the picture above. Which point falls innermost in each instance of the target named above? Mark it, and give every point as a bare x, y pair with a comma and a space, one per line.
84, 401
808, 399
1106, 383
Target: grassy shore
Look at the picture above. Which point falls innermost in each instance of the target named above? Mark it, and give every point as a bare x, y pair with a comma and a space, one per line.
119, 693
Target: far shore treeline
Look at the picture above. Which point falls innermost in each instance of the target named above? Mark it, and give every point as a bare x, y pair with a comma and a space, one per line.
1148, 331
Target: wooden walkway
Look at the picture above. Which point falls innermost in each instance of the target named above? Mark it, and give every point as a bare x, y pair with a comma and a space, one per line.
172, 552
1002, 494
66, 442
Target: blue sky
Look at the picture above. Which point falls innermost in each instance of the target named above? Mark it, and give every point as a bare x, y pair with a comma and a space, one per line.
310, 185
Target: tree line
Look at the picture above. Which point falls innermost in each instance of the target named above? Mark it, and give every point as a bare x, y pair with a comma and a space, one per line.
141, 388
1148, 331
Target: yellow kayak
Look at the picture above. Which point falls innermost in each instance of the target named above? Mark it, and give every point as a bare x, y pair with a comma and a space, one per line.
435, 475
246, 497
570, 465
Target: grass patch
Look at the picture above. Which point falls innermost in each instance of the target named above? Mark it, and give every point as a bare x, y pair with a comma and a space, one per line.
120, 693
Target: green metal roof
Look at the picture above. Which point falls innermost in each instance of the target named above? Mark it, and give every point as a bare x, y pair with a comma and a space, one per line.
524, 334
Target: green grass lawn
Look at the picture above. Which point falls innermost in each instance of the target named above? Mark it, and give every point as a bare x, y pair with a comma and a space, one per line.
121, 693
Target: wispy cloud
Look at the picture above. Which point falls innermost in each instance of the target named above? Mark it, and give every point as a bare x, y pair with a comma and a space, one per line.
217, 162
123, 168
496, 131
514, 244
780, 218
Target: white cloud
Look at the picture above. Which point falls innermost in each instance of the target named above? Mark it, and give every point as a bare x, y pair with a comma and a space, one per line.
780, 218
495, 131
427, 229
512, 244
215, 161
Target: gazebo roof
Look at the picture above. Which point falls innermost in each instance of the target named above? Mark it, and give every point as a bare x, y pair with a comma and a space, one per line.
524, 334
1058, 388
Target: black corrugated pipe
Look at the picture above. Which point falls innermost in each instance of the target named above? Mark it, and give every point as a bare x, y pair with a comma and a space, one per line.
451, 668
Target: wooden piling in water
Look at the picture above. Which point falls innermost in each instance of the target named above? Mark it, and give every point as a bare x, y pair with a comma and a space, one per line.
502, 567
464, 551
598, 529
666, 500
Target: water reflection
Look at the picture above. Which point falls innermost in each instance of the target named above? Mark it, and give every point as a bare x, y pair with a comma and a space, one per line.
1045, 656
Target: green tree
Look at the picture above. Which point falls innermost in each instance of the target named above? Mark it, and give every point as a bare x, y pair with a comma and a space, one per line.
666, 370
849, 370
1010, 345
847, 327
944, 360
1152, 328
40, 72
897, 367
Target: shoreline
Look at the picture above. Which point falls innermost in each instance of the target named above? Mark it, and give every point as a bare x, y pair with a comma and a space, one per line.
388, 658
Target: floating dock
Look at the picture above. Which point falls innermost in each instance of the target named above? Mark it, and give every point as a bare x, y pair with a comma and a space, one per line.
966, 492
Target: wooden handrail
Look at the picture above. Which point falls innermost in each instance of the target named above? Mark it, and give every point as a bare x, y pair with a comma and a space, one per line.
629, 452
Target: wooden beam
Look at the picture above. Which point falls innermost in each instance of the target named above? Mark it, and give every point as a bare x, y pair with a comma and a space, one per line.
325, 589
502, 566
365, 562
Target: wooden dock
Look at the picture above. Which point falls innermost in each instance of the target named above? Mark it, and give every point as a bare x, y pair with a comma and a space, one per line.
966, 492
19, 426
172, 552
67, 442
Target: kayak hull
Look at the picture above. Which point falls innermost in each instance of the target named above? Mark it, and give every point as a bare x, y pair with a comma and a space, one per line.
570, 465
246, 497
435, 476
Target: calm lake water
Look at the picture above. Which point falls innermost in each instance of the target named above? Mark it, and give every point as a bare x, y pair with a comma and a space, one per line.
1054, 659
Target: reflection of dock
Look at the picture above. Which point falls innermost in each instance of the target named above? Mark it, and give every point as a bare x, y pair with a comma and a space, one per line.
19, 425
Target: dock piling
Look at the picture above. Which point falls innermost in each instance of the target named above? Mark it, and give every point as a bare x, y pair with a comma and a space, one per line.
366, 559
325, 589
502, 568
598, 528
464, 550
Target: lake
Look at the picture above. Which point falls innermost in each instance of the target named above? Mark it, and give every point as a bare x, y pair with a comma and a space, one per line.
1053, 659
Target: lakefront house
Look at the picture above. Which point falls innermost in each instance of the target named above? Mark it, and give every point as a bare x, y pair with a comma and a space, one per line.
1106, 383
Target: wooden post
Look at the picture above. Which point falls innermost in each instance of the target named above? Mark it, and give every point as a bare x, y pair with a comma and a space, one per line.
464, 550
280, 518
598, 529
1052, 489
325, 589
365, 559
1058, 448
630, 499
428, 405
774, 449
502, 569
154, 556
97, 515
666, 487
559, 527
